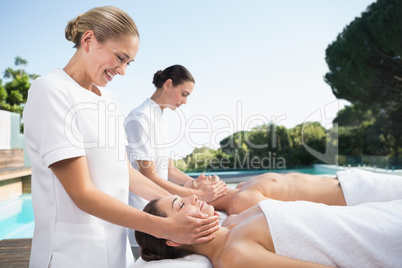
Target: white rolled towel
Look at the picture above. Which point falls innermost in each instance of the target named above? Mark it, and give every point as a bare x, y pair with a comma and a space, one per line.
361, 186
193, 261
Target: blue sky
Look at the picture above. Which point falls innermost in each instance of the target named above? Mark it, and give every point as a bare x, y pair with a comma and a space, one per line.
254, 62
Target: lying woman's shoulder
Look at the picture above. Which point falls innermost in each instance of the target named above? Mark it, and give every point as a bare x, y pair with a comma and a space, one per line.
228, 223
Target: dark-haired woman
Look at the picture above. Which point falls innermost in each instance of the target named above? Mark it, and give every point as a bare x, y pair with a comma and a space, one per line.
288, 234
80, 178
146, 133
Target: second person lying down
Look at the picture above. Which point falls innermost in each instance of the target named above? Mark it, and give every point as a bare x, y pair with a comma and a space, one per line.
299, 186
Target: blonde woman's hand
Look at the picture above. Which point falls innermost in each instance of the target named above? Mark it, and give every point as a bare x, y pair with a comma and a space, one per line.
191, 227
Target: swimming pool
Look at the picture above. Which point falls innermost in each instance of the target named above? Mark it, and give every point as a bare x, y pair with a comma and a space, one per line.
236, 176
17, 219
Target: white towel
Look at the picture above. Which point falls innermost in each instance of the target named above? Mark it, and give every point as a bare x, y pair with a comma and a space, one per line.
366, 235
361, 186
193, 261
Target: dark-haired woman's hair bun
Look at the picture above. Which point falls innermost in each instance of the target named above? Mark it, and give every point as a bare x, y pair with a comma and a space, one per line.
177, 73
156, 77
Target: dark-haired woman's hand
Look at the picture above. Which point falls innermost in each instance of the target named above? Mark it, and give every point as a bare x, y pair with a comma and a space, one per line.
212, 190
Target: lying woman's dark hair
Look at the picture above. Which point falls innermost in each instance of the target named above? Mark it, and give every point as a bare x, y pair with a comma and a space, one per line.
153, 248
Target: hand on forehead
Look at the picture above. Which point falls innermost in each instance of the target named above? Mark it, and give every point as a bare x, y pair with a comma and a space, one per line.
209, 178
202, 179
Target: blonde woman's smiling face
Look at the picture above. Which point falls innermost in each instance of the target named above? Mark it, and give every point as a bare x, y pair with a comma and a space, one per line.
173, 204
111, 58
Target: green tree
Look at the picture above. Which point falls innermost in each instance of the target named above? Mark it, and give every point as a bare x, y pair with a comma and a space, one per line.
365, 68
365, 60
354, 115
200, 159
311, 134
360, 133
14, 93
3, 93
269, 138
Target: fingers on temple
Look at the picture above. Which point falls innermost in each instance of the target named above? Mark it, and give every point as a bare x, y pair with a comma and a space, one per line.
222, 189
209, 223
219, 184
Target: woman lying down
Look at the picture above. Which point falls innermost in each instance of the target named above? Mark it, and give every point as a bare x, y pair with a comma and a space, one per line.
289, 234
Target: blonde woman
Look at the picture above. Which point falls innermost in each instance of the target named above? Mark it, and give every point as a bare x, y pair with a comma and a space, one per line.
80, 179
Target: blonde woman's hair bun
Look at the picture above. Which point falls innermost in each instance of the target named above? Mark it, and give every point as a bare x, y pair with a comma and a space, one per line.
106, 22
71, 31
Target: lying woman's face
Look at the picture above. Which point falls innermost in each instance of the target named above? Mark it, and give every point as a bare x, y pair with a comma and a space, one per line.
200, 181
174, 204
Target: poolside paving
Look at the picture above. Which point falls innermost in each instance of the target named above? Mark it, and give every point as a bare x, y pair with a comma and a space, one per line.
14, 253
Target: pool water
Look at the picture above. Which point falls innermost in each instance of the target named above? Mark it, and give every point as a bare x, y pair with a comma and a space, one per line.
237, 176
16, 218
312, 171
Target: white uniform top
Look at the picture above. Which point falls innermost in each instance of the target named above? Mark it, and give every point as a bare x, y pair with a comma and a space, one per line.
146, 133
63, 120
